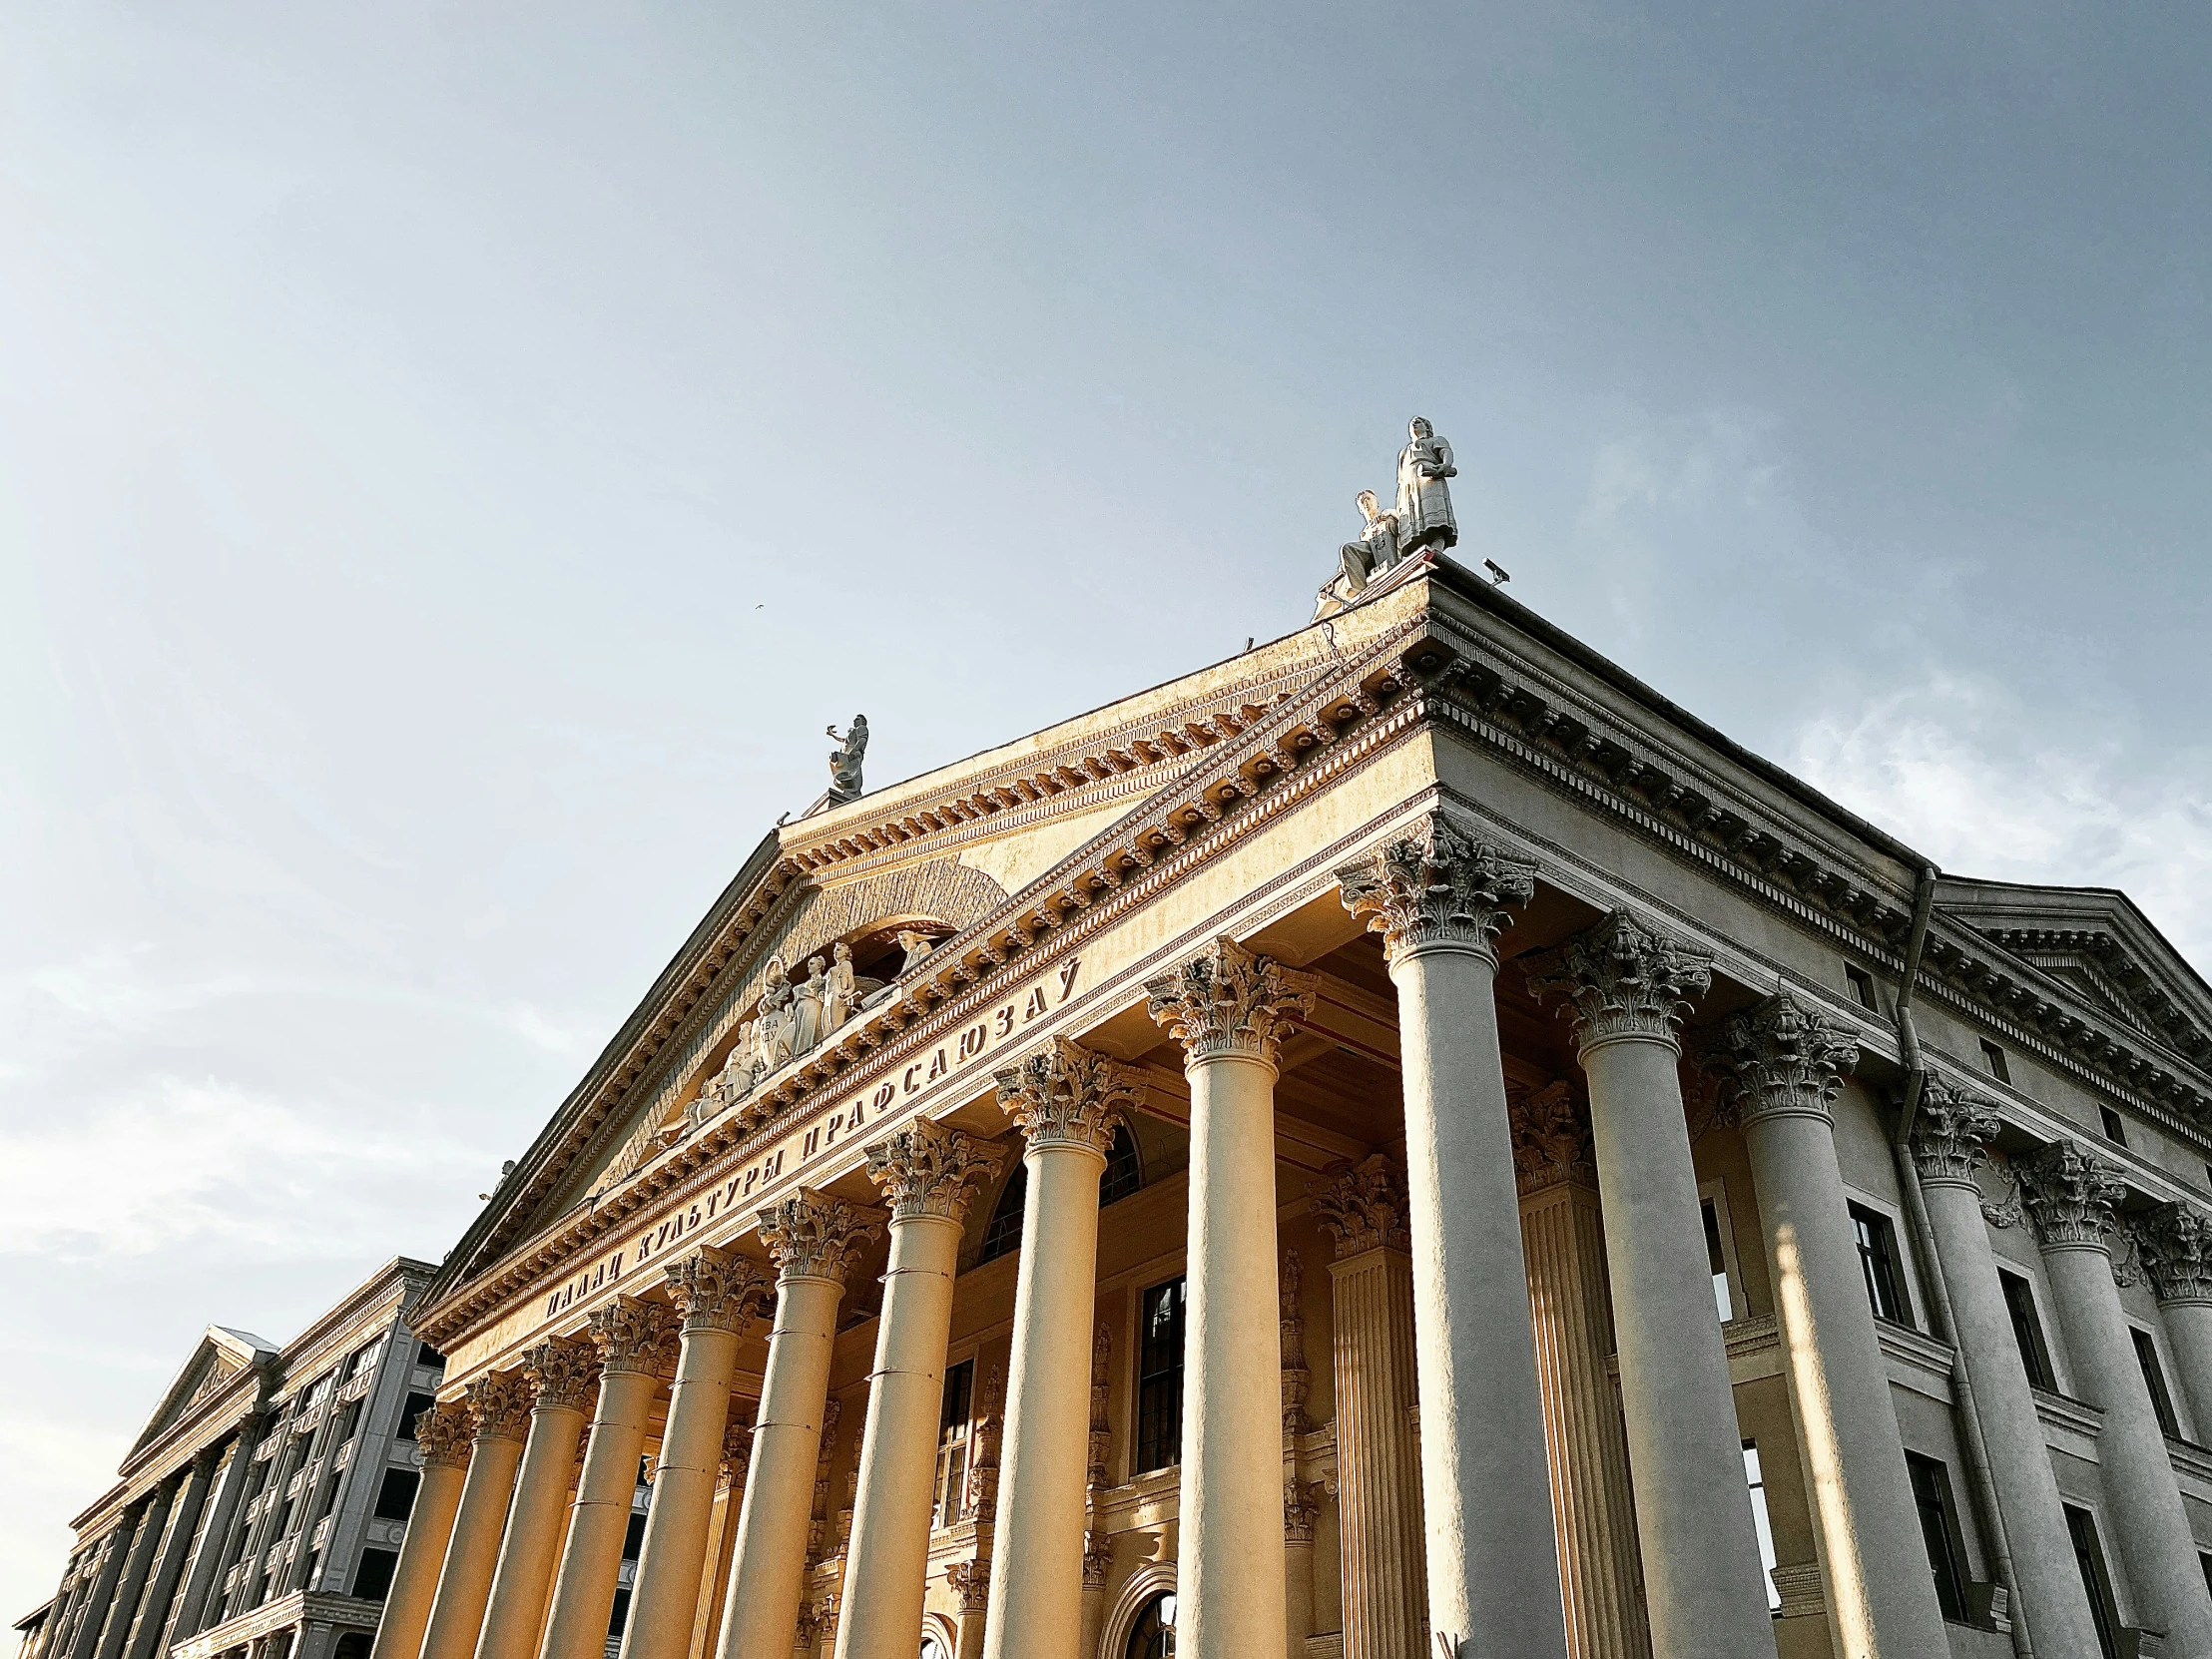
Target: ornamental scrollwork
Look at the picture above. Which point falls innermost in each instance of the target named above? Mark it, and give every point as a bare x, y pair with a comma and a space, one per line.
500, 1403
1622, 978
718, 1289
563, 1372
634, 1336
442, 1437
1437, 886
2073, 1197
2175, 1244
1229, 1000
1552, 1139
1781, 1059
1364, 1206
929, 1170
810, 1235
1951, 1133
1066, 1095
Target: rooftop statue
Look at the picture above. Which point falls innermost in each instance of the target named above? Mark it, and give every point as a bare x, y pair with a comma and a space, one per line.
1421, 522
844, 760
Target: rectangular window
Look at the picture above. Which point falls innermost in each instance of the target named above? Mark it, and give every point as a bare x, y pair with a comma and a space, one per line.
1862, 986
1946, 1554
2082, 1526
426, 1354
1994, 1057
1160, 1377
2028, 1330
395, 1497
1877, 1262
415, 1406
619, 1615
2114, 1130
953, 1430
373, 1578
634, 1539
1756, 1482
1717, 1260
2154, 1378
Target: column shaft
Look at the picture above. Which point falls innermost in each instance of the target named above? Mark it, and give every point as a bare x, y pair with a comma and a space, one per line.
591, 1560
414, 1581
2189, 1335
1378, 1496
152, 1512
102, 1595
161, 1588
472, 1550
204, 1578
514, 1613
664, 1603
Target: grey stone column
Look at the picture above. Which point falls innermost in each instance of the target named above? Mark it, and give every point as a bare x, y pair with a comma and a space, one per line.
1949, 1142
2073, 1201
2176, 1247
137, 1569
1439, 898
160, 1588
1707, 1591
1782, 1065
204, 1578
100, 1598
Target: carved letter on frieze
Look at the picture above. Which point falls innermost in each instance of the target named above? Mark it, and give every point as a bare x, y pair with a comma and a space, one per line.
1364, 1206
1622, 978
1781, 1059
2175, 1242
1552, 1139
634, 1336
1229, 1000
564, 1373
813, 1236
2071, 1198
442, 1437
926, 1169
718, 1289
1065, 1095
1951, 1134
500, 1402
1437, 886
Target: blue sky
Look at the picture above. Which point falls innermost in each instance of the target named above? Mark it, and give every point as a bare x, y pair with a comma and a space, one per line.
454, 462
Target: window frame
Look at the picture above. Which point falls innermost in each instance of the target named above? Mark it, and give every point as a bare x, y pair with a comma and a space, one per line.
1167, 1451
1861, 984
2087, 1539
1715, 1193
1994, 1060
1899, 1281
2152, 1365
955, 1452
1951, 1574
2037, 1354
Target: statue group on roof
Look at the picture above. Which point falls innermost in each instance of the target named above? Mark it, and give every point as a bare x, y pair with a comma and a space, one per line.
1419, 523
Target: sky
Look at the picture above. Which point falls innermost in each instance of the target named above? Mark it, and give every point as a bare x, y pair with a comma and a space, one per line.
455, 461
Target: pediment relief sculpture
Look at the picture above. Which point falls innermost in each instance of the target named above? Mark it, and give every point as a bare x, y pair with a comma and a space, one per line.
790, 1022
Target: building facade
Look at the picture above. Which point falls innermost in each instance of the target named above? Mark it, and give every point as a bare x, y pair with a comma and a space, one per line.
260, 1514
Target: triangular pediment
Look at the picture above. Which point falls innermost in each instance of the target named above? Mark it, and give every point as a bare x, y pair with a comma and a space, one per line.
221, 1357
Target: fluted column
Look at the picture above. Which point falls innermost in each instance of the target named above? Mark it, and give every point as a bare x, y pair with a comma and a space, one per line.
636, 1342
561, 1376
2175, 1242
1067, 1102
1950, 1137
160, 1588
1439, 898
1781, 1065
1626, 985
928, 1174
1378, 1496
813, 1241
499, 1404
1228, 1009
442, 1450
1593, 1512
2072, 1200
138, 1565
719, 1293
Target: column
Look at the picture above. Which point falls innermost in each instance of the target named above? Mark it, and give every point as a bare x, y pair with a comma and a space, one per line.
636, 1342
1782, 1065
2072, 1200
718, 1293
102, 1595
1950, 1137
2175, 1242
1378, 1496
204, 1578
722, 1533
814, 1241
970, 1581
1593, 1511
1067, 1102
1299, 1510
1439, 898
1702, 1577
498, 1404
1228, 1009
928, 1174
153, 1510
160, 1588
561, 1376
442, 1450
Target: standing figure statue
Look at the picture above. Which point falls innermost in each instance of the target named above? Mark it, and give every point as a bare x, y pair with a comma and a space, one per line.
1424, 499
807, 1000
842, 994
773, 1033
844, 760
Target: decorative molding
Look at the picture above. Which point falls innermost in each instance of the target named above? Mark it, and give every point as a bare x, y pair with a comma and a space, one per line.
1622, 978
1300, 1507
2175, 1243
991, 1422
1781, 1059
634, 1336
1437, 886
970, 1581
2072, 1198
1551, 1138
499, 1404
1066, 1095
443, 1436
1298, 1376
564, 1373
1227, 1000
810, 1235
718, 1289
1364, 1206
927, 1170
1951, 1133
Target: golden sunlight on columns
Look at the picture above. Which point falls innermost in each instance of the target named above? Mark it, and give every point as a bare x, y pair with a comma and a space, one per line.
1783, 1064
562, 1375
1379, 1506
722, 1530
1228, 1009
813, 1240
1439, 898
500, 1405
928, 1175
441, 1447
1593, 1508
636, 1340
1707, 1591
718, 1293
1068, 1101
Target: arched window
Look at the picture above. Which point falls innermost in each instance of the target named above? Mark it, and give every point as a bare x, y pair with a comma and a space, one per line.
1124, 1171
932, 1648
1153, 1636
1003, 1235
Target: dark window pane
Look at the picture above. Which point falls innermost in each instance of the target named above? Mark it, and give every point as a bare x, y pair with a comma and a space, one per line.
395, 1497
1154, 1634
1994, 1057
1939, 1533
2089, 1557
2154, 1378
1160, 1377
416, 1406
634, 1539
373, 1576
1003, 1235
1124, 1170
620, 1617
1878, 1251
959, 1390
2028, 1330
426, 1354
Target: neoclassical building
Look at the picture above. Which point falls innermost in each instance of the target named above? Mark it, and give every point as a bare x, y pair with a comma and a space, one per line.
1401, 1144
261, 1513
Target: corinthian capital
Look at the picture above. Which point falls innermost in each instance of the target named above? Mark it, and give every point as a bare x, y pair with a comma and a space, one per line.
2175, 1241
634, 1336
926, 1169
2071, 1198
718, 1289
1552, 1139
563, 1372
1622, 978
499, 1402
1952, 1135
1065, 1095
737, 1455
1781, 1059
442, 1437
813, 1236
1227, 1000
1364, 1206
1435, 886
